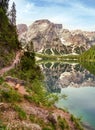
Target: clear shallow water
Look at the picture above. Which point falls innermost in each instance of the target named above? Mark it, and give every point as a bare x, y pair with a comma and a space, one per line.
80, 102
77, 83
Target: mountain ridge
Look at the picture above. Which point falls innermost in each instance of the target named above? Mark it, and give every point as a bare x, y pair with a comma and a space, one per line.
51, 38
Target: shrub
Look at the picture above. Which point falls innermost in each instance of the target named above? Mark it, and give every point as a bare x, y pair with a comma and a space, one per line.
10, 95
63, 123
77, 122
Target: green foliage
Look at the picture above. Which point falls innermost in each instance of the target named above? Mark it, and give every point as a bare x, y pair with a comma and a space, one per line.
9, 95
41, 122
72, 118
28, 61
35, 119
3, 20
8, 35
1, 80
13, 14
63, 123
29, 98
47, 57
2, 126
4, 5
59, 57
88, 55
90, 66
76, 122
8, 39
40, 96
27, 69
5, 59
21, 113
32, 118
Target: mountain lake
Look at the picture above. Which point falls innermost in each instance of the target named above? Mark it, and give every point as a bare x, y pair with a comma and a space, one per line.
77, 83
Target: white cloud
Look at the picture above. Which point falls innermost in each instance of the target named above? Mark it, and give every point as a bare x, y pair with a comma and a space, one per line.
73, 16
29, 7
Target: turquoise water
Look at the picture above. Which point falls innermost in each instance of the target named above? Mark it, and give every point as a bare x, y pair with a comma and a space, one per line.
77, 83
80, 102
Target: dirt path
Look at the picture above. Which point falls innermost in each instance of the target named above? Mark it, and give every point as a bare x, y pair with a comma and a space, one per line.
15, 62
18, 87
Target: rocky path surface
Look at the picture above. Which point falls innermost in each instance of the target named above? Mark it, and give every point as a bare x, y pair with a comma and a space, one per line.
15, 62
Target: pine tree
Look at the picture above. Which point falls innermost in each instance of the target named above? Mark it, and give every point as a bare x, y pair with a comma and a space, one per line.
13, 14
4, 5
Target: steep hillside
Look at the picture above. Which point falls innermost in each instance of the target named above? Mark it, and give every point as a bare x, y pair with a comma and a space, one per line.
27, 104
50, 38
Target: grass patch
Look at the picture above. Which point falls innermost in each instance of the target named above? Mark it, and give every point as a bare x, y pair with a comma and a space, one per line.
21, 113
10, 95
1, 80
63, 123
2, 126
76, 122
44, 125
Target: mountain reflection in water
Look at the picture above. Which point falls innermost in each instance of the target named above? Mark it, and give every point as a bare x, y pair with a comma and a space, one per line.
62, 75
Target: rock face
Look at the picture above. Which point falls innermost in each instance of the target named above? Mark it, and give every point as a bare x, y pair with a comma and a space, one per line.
77, 41
44, 36
50, 38
22, 28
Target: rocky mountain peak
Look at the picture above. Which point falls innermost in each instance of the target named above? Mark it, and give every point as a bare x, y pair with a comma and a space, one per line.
42, 21
22, 28
40, 25
51, 38
45, 23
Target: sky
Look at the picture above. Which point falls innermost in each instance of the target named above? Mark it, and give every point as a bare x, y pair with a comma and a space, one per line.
72, 14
